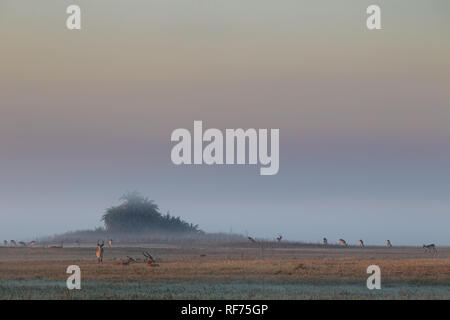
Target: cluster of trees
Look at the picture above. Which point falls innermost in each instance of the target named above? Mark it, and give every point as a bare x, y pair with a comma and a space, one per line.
139, 214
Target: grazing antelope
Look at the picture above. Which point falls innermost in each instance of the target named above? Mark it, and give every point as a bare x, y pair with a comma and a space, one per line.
388, 243
325, 241
13, 243
342, 242
110, 243
149, 261
32, 243
126, 262
361, 243
22, 243
99, 252
5, 243
251, 240
430, 247
279, 238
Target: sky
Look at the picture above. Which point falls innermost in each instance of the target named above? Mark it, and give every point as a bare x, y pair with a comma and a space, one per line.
86, 115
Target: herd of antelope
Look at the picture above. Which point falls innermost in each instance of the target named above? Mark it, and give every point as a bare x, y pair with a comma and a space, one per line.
342, 242
151, 262
31, 244
13, 243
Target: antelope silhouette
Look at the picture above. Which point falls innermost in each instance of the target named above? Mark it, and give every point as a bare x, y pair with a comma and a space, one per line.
251, 240
99, 252
430, 247
126, 262
149, 261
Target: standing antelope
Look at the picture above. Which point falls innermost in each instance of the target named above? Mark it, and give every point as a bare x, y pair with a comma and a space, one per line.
5, 243
13, 243
342, 242
99, 252
110, 243
361, 243
430, 247
251, 240
388, 243
325, 241
149, 261
279, 238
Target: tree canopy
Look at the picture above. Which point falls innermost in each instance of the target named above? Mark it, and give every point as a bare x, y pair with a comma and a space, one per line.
139, 214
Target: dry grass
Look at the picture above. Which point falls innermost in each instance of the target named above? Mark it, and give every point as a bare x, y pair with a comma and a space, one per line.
178, 263
231, 271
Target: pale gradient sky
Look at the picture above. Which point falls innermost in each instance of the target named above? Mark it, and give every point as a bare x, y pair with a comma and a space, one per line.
363, 115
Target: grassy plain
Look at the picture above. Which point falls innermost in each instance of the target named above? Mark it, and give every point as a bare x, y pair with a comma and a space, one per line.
226, 271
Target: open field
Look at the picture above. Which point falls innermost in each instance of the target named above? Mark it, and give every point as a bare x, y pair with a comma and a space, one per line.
226, 271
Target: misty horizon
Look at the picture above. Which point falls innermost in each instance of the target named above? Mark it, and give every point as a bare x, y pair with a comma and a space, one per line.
363, 116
